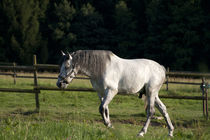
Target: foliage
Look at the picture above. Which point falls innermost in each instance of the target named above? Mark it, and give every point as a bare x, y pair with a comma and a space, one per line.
89, 29
20, 29
61, 36
125, 30
174, 33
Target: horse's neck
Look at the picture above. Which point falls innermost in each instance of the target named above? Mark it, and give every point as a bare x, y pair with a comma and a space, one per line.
84, 72
88, 73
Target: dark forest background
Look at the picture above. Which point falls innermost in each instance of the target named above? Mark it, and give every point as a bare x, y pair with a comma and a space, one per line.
175, 33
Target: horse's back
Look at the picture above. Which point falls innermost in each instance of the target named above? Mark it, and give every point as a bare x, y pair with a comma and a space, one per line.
130, 75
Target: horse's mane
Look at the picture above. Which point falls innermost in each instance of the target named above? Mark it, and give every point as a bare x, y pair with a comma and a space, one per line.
93, 61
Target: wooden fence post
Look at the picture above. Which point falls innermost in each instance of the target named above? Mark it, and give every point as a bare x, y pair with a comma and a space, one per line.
14, 71
167, 78
203, 95
206, 92
36, 84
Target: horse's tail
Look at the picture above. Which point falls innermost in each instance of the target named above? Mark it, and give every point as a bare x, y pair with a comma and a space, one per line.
142, 94
144, 98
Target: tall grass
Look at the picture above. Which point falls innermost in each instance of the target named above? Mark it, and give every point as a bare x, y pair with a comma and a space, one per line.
74, 115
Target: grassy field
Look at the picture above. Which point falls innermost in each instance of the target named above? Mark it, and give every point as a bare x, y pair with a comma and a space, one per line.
75, 116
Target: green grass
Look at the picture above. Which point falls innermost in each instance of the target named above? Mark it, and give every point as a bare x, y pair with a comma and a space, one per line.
74, 115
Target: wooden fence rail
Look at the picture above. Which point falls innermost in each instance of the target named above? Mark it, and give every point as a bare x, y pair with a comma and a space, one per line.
55, 67
11, 68
86, 78
92, 90
187, 74
37, 89
19, 90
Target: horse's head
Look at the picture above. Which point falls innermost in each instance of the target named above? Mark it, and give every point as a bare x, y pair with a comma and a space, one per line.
67, 71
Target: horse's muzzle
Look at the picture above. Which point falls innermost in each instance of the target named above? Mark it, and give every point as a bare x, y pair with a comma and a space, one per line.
62, 84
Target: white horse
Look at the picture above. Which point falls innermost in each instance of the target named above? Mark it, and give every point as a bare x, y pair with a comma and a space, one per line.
111, 74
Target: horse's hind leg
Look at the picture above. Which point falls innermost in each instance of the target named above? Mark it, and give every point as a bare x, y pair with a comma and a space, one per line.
150, 113
162, 108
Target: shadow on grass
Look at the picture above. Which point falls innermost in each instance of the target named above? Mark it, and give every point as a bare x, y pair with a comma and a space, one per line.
25, 113
191, 123
135, 122
141, 115
135, 119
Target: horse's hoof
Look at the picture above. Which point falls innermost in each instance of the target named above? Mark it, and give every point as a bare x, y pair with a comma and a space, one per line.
110, 126
170, 134
141, 134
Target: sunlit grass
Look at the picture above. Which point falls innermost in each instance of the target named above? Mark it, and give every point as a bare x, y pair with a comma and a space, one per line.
74, 115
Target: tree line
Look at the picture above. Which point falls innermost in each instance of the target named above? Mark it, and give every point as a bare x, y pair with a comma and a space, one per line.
175, 33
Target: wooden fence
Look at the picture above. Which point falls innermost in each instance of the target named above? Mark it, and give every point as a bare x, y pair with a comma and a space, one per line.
13, 68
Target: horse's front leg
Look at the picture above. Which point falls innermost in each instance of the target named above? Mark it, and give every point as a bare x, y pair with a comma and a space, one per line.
105, 115
103, 109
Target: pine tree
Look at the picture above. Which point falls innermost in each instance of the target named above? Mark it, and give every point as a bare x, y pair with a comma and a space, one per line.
88, 26
3, 41
60, 24
174, 33
22, 36
125, 30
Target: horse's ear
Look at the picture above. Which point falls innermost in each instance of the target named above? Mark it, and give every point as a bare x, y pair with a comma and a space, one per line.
69, 55
62, 53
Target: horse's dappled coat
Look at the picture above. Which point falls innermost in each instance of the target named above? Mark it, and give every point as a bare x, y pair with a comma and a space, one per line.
111, 74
